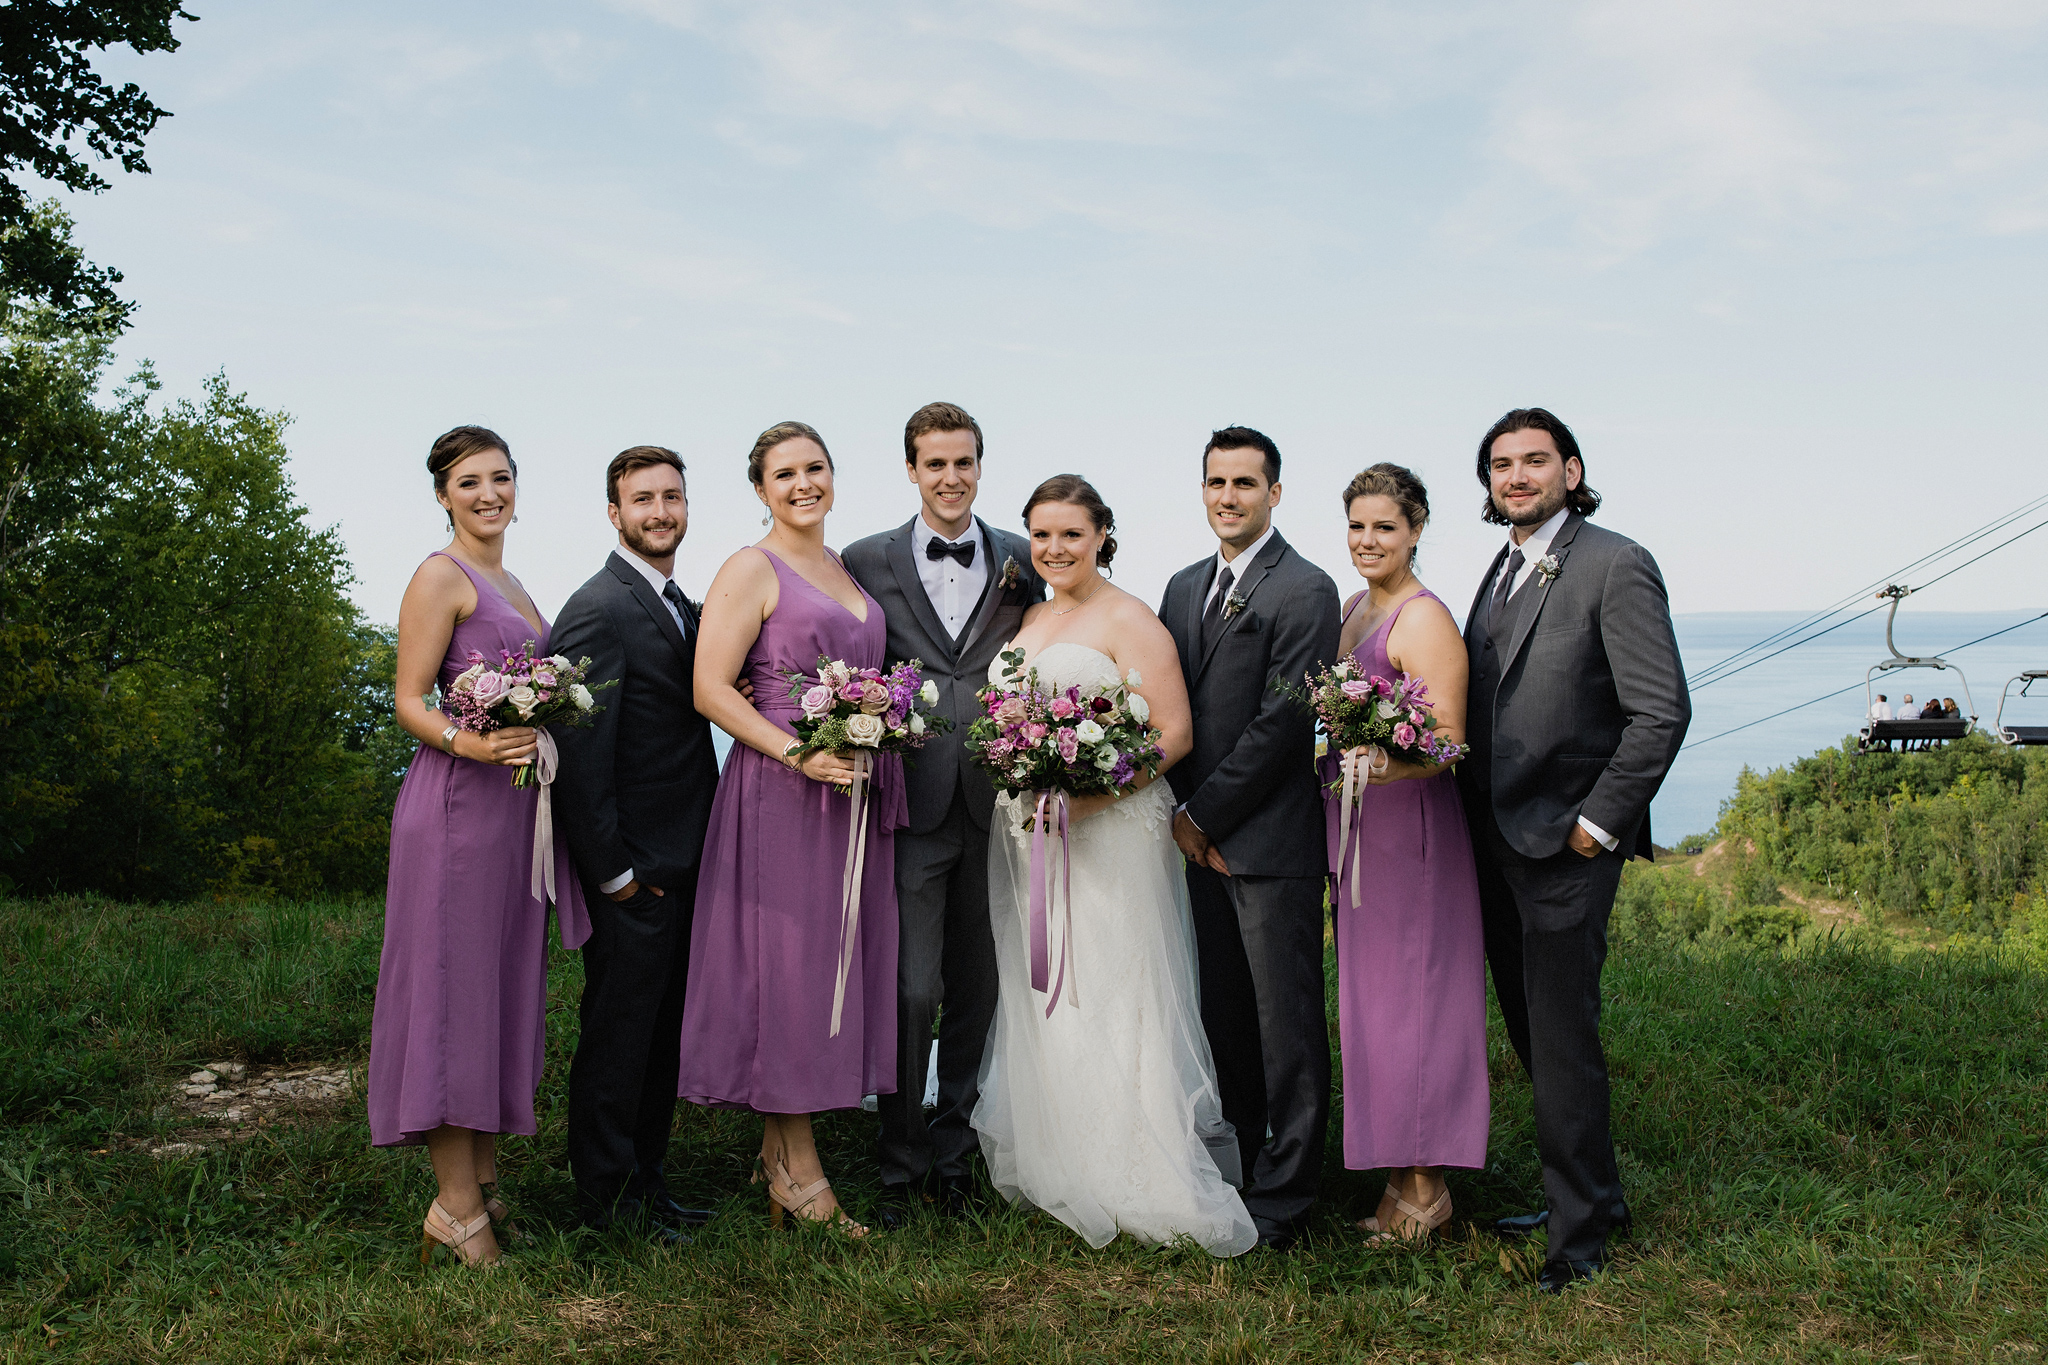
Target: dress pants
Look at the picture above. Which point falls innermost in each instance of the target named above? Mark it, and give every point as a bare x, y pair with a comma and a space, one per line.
1546, 939
622, 1083
945, 955
1260, 941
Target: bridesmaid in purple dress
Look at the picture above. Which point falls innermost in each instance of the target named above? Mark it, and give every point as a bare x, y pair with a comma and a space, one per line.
455, 1042
1411, 991
764, 952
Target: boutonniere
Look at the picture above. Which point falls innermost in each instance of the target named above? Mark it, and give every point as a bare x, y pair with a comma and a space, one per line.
1548, 567
1011, 571
1232, 605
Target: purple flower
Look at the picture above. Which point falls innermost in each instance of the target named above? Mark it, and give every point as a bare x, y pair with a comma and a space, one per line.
853, 692
1101, 705
1124, 771
1358, 689
1069, 743
894, 719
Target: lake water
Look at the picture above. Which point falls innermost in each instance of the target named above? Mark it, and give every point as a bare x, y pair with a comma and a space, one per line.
1706, 770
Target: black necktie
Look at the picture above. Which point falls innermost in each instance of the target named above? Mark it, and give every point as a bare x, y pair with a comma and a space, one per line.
1212, 619
674, 595
960, 550
1503, 589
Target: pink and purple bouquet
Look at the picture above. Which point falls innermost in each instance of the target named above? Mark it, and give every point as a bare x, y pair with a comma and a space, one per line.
519, 689
1031, 739
847, 709
1392, 715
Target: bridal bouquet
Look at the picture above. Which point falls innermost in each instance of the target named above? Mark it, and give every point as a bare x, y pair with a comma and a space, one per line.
1033, 740
1390, 715
847, 709
519, 689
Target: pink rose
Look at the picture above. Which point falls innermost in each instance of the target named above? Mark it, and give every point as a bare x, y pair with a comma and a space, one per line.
1416, 719
852, 692
874, 698
1404, 736
817, 702
544, 677
1070, 744
489, 688
1357, 689
1062, 709
1011, 710
1035, 732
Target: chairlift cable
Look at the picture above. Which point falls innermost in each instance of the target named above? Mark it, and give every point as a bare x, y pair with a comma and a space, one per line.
1694, 744
1729, 665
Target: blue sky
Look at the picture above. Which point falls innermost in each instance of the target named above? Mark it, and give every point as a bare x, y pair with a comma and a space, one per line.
1781, 265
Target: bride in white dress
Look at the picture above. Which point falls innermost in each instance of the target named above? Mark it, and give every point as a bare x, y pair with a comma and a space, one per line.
1105, 1114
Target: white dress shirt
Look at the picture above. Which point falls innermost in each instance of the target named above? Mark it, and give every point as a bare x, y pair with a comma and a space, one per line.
954, 588
1533, 549
1880, 709
1246, 557
658, 581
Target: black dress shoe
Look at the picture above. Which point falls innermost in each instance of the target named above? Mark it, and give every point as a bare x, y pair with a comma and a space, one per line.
1282, 1242
1558, 1276
1521, 1224
897, 1206
957, 1197
662, 1208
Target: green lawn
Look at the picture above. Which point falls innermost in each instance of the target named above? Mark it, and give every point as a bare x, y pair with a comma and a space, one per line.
1837, 1154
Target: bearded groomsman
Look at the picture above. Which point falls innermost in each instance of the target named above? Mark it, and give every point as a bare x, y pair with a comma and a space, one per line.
634, 797
1250, 825
953, 591
1578, 705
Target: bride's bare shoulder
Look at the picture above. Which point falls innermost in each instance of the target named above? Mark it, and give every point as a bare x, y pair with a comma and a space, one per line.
1130, 613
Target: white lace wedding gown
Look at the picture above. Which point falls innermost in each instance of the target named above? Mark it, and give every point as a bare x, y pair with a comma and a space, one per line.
1107, 1115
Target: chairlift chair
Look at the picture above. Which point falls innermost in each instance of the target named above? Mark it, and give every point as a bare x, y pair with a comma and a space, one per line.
2019, 736
1880, 734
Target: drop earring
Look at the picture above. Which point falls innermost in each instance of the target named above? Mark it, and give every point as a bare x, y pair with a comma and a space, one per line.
515, 518
767, 517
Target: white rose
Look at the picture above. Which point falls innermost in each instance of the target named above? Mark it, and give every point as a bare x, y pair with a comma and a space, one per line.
929, 693
466, 679
1088, 732
580, 694
523, 699
1141, 710
917, 721
1131, 679
1105, 757
864, 729
558, 661
1388, 710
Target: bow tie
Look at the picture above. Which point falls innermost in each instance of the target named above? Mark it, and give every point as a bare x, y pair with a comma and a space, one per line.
960, 550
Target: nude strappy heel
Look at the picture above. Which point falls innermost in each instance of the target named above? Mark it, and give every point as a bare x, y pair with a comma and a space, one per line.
785, 1197
1372, 1224
442, 1227
501, 1217
1430, 1219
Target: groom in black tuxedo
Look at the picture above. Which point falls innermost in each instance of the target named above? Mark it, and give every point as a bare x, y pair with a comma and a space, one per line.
953, 591
634, 796
1578, 705
1250, 823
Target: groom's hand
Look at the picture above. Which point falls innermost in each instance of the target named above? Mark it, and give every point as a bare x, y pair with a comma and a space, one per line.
1195, 845
1582, 843
632, 889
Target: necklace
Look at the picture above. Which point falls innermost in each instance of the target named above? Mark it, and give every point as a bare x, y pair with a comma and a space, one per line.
1100, 583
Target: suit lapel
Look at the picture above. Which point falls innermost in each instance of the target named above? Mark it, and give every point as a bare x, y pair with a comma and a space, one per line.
903, 563
650, 602
1485, 584
1558, 548
992, 589
1243, 589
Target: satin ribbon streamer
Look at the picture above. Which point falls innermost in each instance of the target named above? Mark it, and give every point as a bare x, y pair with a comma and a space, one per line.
545, 760
1352, 808
849, 885
1052, 805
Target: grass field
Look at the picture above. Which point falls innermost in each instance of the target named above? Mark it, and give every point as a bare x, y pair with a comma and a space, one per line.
1833, 1154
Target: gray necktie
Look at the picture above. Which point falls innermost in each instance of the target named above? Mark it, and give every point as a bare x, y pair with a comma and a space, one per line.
1504, 589
674, 595
1212, 619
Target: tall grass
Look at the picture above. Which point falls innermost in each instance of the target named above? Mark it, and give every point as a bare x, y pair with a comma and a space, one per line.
1834, 1153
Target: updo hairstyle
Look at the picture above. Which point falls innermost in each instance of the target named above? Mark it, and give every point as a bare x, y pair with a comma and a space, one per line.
775, 436
452, 447
1385, 480
1081, 493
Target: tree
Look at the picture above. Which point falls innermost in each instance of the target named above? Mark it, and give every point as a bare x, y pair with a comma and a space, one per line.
51, 99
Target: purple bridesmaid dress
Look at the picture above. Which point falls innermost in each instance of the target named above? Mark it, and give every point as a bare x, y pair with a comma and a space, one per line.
764, 951
462, 986
1411, 986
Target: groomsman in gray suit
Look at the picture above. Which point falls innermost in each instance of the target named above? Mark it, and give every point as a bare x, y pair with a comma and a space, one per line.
953, 590
1250, 822
1578, 705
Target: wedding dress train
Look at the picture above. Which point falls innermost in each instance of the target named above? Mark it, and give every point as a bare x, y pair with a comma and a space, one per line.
1106, 1114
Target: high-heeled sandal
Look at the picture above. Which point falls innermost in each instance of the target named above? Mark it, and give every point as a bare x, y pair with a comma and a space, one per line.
501, 1217
1372, 1224
443, 1227
785, 1197
1430, 1219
